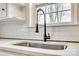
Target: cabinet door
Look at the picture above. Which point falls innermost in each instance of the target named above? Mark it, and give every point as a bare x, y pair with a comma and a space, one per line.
3, 10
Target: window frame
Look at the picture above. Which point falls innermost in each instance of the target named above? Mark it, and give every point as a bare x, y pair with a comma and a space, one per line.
73, 9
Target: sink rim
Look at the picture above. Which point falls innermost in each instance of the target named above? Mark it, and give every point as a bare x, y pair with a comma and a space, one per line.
62, 47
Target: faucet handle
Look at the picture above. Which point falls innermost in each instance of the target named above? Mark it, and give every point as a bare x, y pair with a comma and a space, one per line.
48, 35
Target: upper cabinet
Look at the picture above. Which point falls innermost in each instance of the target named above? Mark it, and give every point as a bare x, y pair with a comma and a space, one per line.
12, 11
3, 10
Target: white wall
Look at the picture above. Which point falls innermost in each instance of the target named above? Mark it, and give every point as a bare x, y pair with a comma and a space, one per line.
13, 30
58, 33
17, 30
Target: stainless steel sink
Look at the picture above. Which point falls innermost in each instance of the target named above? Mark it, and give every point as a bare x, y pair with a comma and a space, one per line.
44, 46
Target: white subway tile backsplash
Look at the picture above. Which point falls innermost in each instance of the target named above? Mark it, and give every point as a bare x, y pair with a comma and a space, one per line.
57, 33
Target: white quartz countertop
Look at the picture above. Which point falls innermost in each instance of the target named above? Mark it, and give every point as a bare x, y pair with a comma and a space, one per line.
7, 44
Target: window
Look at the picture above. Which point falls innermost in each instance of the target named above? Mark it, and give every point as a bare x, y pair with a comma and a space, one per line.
55, 13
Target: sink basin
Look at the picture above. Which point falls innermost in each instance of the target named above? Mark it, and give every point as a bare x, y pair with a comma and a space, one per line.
44, 46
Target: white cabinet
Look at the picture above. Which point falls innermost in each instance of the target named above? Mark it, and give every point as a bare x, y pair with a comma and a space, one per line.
15, 11
3, 10
12, 10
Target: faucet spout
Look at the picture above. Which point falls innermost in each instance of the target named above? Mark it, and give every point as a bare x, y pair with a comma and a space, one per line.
37, 29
